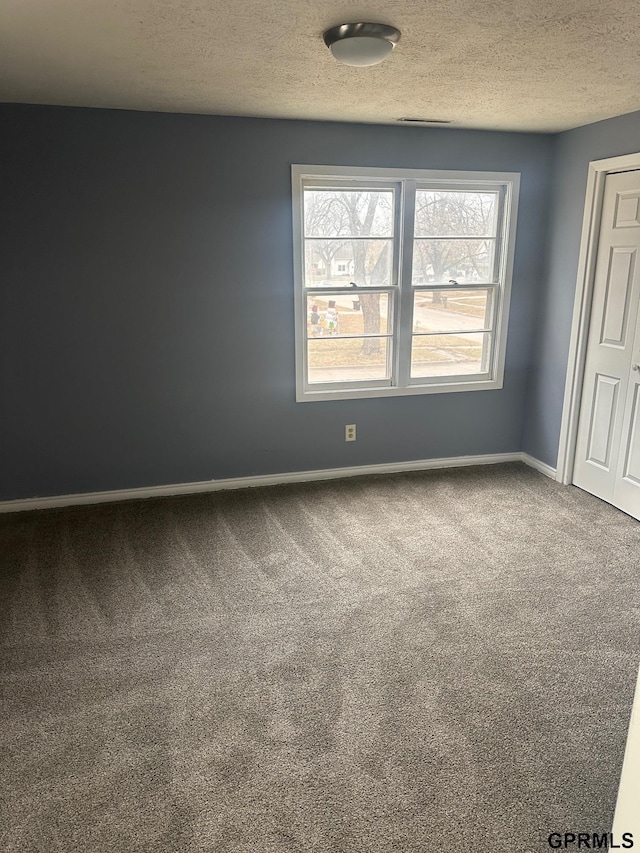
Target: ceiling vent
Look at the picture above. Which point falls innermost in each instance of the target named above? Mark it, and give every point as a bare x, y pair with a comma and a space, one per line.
424, 120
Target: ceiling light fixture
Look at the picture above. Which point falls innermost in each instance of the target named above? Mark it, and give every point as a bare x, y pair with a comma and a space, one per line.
361, 44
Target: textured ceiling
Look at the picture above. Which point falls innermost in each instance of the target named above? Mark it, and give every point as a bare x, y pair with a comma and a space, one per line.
542, 65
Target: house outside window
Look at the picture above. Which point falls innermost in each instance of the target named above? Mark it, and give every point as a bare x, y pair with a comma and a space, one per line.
402, 280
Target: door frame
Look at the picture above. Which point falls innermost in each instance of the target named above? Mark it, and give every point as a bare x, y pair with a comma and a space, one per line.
598, 171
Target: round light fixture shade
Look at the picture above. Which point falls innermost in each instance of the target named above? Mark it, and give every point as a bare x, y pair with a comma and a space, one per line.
361, 44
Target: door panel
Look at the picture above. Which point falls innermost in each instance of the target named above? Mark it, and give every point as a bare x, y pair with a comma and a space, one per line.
616, 300
607, 461
627, 209
603, 420
627, 489
632, 456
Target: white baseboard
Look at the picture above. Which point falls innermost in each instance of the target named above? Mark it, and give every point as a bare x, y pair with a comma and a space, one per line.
532, 462
627, 814
268, 480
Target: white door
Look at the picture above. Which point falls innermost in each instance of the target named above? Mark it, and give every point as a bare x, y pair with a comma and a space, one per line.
607, 461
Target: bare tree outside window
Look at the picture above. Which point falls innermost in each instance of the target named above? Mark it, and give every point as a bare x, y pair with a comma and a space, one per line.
453, 237
322, 218
339, 220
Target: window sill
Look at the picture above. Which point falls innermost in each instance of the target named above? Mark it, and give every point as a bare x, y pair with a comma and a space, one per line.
310, 396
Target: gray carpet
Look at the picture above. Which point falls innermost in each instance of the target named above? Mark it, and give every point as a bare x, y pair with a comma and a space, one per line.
417, 662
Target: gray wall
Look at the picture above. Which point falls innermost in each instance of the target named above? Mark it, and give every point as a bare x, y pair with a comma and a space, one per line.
574, 151
147, 289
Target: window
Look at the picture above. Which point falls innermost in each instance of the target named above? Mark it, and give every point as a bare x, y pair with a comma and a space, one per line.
402, 280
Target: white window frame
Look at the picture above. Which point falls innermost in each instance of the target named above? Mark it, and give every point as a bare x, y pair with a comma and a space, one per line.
408, 180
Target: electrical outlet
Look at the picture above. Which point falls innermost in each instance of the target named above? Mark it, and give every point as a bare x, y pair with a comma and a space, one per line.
350, 432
